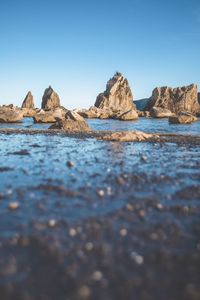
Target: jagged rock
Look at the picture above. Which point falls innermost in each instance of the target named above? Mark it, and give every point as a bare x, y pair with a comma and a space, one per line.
10, 115
50, 99
128, 116
129, 136
72, 122
159, 112
50, 116
28, 101
182, 118
117, 99
175, 99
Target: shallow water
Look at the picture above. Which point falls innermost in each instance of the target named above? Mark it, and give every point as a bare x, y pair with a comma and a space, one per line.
143, 124
28, 177
143, 229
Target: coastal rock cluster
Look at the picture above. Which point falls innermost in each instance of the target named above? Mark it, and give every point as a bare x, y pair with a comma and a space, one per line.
180, 105
116, 102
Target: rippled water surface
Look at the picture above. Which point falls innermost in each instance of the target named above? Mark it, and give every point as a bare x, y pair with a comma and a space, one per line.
143, 124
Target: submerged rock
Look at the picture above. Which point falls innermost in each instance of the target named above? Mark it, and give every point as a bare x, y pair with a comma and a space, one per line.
28, 101
129, 136
72, 122
182, 118
117, 99
10, 115
50, 99
175, 99
159, 112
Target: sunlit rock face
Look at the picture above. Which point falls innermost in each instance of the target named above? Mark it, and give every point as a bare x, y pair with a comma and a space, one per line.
50, 99
175, 99
28, 101
10, 114
182, 118
117, 99
72, 122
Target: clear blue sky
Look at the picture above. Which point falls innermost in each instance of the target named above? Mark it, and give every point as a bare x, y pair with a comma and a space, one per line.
77, 45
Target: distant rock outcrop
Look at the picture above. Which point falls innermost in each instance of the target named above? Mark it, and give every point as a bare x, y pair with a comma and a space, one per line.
175, 99
28, 101
117, 98
50, 99
72, 122
141, 103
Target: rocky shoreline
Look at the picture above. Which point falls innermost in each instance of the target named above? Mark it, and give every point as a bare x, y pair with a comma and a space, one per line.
118, 136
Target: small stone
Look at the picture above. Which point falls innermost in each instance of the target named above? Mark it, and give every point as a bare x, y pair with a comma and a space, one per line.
143, 158
129, 207
52, 223
84, 292
159, 206
109, 191
141, 213
72, 232
120, 180
138, 259
70, 164
97, 275
13, 205
101, 193
123, 232
89, 246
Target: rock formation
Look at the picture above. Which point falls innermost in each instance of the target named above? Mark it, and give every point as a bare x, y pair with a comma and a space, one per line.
72, 122
10, 115
50, 116
159, 112
182, 118
50, 99
129, 136
175, 99
28, 101
117, 98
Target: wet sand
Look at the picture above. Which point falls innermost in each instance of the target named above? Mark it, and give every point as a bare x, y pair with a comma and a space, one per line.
83, 218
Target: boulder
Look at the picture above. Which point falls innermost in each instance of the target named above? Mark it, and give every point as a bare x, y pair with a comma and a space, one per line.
182, 118
159, 112
175, 99
128, 116
129, 136
49, 116
72, 122
50, 99
117, 99
10, 115
145, 114
28, 101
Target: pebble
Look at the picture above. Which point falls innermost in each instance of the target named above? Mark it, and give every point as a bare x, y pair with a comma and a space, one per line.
89, 246
84, 292
13, 205
97, 275
72, 232
143, 158
101, 193
138, 259
70, 164
123, 232
52, 223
